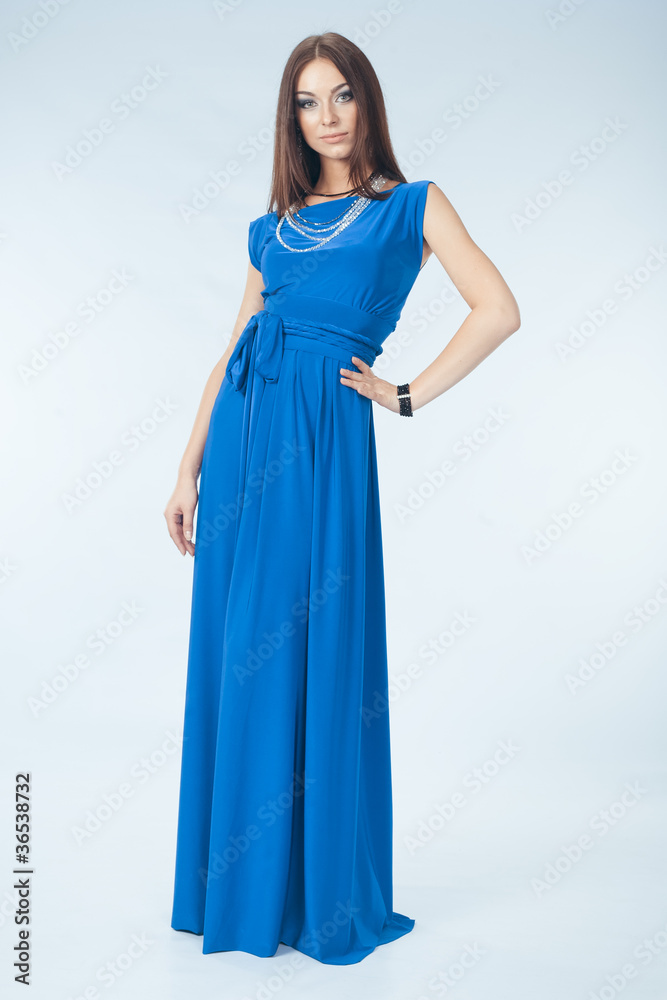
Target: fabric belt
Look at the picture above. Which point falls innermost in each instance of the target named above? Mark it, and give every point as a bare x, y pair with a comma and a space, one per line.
269, 331
287, 321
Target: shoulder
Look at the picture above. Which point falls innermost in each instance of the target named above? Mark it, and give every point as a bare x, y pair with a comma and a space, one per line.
261, 220
259, 227
421, 186
429, 198
258, 236
414, 193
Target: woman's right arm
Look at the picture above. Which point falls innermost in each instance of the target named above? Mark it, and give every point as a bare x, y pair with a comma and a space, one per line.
180, 509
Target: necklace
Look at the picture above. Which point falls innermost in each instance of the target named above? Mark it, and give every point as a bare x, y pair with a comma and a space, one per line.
307, 222
297, 214
334, 195
346, 218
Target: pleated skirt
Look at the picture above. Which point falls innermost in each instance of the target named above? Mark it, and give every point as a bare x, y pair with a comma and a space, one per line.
285, 810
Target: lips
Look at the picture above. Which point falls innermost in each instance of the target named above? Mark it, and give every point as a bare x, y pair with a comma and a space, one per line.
331, 140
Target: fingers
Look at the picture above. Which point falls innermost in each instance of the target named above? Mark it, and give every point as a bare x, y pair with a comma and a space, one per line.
362, 364
348, 375
175, 525
366, 383
187, 529
365, 369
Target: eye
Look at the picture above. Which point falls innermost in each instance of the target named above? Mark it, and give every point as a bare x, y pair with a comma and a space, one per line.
304, 102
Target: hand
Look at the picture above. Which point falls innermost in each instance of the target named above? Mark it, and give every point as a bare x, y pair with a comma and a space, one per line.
369, 385
179, 514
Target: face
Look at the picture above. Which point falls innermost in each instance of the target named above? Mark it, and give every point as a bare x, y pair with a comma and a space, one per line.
324, 105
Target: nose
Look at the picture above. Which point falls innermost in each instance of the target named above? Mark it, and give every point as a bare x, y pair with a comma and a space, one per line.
329, 116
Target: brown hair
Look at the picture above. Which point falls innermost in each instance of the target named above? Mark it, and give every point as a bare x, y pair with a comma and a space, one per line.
295, 175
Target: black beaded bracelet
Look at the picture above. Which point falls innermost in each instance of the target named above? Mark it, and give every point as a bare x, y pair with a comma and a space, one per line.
405, 403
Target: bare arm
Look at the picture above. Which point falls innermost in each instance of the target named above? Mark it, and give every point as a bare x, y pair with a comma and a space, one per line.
494, 313
180, 509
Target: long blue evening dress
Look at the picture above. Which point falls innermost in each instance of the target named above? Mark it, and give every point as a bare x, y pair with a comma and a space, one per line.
285, 810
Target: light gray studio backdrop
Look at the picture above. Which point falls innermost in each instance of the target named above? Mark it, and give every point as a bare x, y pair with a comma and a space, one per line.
523, 511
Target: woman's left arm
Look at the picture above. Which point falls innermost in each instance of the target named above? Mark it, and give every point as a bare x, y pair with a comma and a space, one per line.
494, 313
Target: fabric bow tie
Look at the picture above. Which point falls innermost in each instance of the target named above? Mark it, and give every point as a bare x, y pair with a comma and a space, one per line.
268, 327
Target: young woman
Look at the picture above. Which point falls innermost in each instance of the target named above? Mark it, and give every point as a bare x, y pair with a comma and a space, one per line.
285, 813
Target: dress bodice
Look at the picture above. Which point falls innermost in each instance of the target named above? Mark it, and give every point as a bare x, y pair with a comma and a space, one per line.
370, 266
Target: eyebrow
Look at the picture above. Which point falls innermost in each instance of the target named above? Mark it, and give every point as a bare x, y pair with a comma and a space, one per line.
311, 94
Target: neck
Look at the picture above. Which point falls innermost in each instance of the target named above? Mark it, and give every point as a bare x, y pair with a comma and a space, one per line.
334, 177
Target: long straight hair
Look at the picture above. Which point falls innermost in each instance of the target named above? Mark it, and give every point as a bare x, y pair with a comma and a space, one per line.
295, 174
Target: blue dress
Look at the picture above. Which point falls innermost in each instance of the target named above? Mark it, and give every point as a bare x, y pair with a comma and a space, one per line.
285, 810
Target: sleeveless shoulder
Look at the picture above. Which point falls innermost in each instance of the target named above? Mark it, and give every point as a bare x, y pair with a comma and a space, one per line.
408, 218
416, 192
412, 191
258, 234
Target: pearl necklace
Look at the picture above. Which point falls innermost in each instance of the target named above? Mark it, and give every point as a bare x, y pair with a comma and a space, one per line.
346, 218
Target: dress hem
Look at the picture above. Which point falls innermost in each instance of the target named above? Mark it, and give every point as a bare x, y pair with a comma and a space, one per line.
398, 926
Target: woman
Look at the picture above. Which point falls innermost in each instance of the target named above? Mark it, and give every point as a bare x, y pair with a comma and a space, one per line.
285, 814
